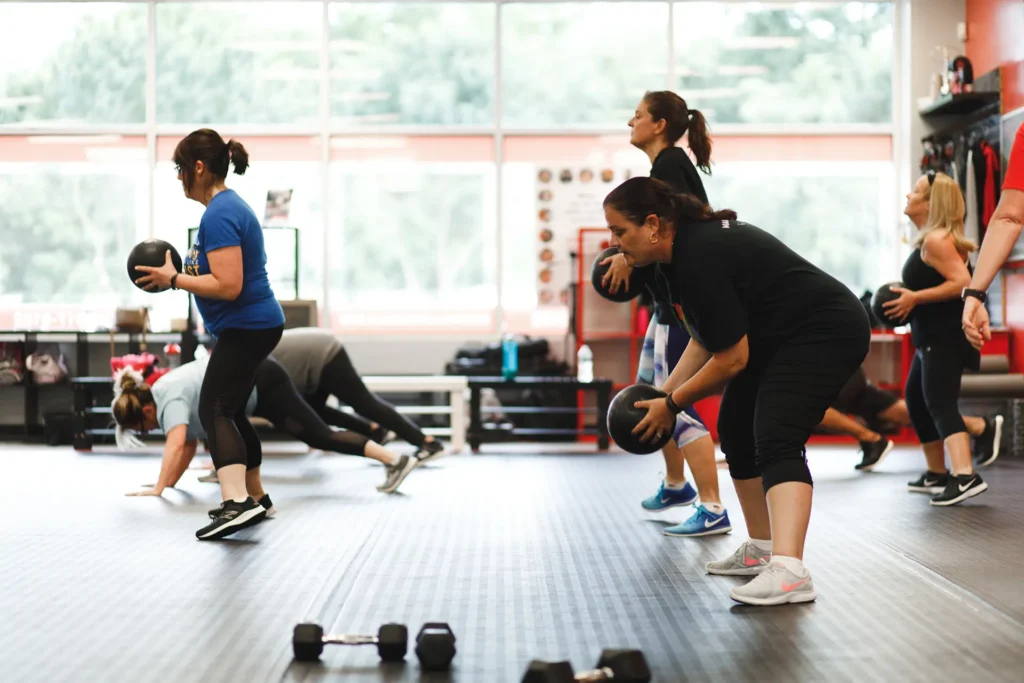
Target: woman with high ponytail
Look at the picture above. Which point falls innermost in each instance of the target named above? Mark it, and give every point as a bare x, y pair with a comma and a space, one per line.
661, 119
226, 271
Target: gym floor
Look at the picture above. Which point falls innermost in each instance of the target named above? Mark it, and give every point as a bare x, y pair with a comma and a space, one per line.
526, 554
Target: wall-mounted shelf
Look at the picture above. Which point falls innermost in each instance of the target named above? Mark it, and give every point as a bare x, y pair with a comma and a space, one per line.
965, 103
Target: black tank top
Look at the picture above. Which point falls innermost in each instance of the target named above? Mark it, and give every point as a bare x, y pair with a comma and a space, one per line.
932, 323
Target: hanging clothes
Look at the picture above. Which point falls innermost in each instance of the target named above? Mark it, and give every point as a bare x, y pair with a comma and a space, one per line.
972, 228
991, 182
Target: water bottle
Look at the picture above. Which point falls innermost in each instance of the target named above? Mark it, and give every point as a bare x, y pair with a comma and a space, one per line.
509, 357
585, 364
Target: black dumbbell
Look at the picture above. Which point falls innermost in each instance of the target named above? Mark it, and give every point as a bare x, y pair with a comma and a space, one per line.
308, 640
627, 666
435, 646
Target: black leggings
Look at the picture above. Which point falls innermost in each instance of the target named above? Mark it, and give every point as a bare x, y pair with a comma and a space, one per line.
933, 391
340, 379
230, 376
278, 400
769, 410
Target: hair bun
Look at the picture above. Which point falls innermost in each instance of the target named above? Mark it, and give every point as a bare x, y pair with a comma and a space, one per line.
127, 382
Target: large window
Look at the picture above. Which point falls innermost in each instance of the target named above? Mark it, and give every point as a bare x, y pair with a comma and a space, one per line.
72, 63
413, 232
571, 64
230, 62
772, 63
412, 63
441, 156
70, 211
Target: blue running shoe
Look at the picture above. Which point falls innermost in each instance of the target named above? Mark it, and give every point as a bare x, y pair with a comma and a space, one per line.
702, 523
670, 498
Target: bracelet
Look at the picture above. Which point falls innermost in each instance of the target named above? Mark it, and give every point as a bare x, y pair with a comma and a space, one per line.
174, 280
672, 405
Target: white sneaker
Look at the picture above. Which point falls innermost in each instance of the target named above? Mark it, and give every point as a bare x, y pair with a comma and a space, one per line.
748, 560
776, 585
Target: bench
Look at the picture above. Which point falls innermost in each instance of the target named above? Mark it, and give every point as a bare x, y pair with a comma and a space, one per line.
453, 385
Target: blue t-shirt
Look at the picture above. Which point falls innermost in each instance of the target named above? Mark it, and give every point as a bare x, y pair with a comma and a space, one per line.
177, 399
229, 222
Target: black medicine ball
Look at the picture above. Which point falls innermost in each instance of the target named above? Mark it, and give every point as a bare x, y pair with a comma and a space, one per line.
882, 296
151, 253
623, 418
599, 271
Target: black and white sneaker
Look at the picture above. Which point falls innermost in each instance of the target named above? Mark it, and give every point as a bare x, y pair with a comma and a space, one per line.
429, 451
929, 482
397, 473
382, 435
265, 501
874, 453
986, 444
959, 488
232, 517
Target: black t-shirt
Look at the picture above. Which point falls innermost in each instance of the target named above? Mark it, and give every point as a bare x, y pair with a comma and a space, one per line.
728, 279
672, 166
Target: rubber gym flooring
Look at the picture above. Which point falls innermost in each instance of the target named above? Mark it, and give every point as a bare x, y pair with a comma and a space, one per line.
526, 554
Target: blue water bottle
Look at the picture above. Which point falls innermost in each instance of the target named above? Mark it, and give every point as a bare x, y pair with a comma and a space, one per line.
509, 357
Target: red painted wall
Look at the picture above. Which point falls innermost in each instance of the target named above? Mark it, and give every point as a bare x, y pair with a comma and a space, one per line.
995, 38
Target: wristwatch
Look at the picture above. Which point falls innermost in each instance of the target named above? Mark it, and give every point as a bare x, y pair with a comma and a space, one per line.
976, 293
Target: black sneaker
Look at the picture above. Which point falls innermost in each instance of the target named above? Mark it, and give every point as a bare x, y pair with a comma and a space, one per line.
874, 453
986, 444
397, 473
929, 482
429, 451
959, 488
265, 501
232, 517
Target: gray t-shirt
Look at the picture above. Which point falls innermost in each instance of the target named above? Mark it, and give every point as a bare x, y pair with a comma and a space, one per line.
304, 352
177, 399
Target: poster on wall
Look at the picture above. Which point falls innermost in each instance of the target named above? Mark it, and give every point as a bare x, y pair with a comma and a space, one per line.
569, 197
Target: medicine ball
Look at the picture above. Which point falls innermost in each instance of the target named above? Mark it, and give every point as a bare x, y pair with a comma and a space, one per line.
623, 418
883, 296
598, 272
151, 253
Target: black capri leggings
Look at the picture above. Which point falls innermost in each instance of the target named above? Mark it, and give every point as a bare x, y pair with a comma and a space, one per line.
230, 376
933, 391
340, 379
279, 401
769, 410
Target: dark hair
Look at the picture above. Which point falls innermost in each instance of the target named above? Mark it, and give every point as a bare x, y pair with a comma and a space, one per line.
208, 146
638, 198
134, 396
665, 105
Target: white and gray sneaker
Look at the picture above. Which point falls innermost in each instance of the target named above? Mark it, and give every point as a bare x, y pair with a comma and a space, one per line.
776, 585
397, 473
748, 560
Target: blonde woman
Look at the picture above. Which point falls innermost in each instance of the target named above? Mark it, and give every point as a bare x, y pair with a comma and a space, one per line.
935, 274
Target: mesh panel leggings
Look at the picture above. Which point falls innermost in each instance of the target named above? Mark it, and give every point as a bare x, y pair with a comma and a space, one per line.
279, 401
339, 378
230, 376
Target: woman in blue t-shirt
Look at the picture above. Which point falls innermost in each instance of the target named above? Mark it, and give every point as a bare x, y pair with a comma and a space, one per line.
225, 270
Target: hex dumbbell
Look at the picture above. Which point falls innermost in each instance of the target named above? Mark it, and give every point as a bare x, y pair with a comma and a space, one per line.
625, 666
308, 640
435, 646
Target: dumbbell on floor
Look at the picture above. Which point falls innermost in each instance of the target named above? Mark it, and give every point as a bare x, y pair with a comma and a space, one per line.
435, 646
626, 666
308, 640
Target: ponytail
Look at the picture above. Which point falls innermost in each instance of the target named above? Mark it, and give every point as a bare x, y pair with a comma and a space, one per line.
700, 140
238, 156
131, 396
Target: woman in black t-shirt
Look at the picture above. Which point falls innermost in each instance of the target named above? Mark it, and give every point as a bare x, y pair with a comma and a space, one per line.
660, 121
781, 335
936, 273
